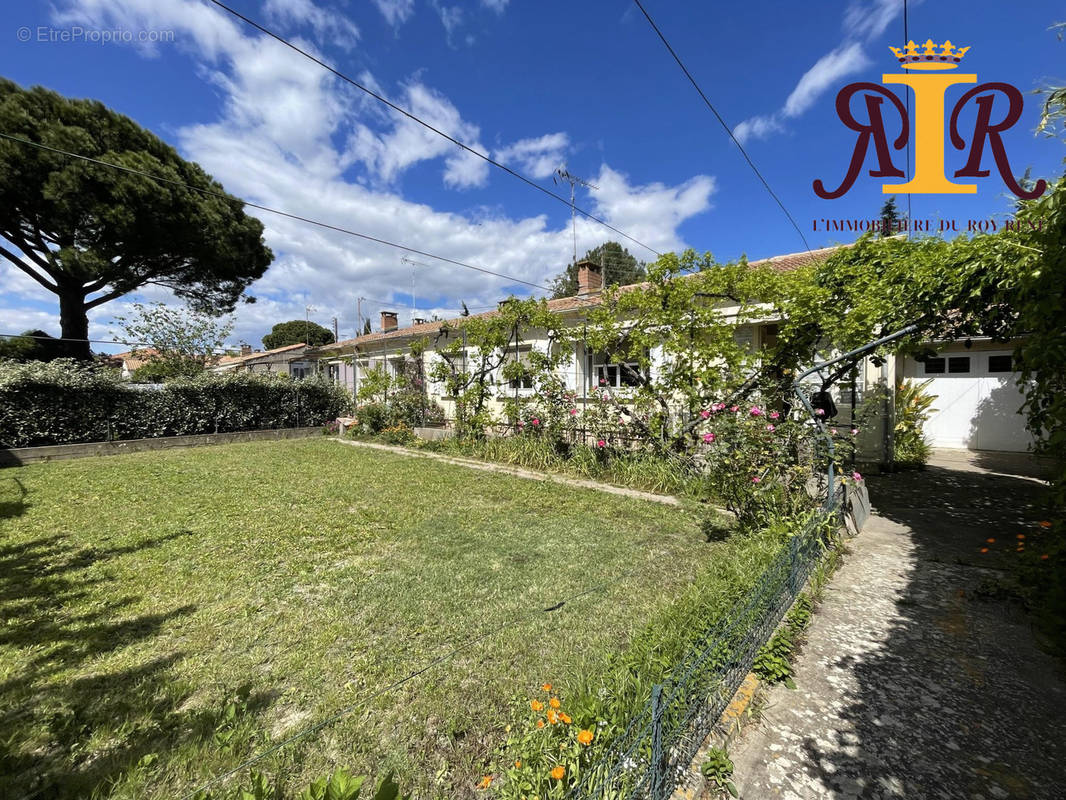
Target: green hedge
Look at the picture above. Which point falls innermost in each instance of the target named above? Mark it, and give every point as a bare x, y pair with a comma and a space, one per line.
63, 402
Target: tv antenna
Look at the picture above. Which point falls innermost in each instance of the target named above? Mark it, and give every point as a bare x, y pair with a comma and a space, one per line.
561, 174
406, 259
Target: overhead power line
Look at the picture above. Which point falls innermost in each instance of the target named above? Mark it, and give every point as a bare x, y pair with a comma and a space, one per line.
428, 126
286, 214
721, 121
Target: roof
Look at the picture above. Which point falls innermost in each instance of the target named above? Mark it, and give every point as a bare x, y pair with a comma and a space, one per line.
782, 263
226, 361
132, 359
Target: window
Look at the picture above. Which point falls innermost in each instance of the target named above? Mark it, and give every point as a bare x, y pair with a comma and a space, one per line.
958, 364
335, 373
301, 372
524, 381
616, 372
934, 366
769, 335
1000, 364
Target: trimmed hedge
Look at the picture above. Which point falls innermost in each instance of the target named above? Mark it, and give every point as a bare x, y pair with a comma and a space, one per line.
65, 402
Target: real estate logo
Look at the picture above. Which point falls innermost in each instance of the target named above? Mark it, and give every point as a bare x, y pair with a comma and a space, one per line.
927, 80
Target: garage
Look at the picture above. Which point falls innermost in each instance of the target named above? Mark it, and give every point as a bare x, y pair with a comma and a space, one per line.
978, 402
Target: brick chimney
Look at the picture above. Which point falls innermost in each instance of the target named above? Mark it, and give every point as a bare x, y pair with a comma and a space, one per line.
246, 349
389, 321
589, 278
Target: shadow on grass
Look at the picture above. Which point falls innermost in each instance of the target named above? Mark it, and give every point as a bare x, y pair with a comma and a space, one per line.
12, 498
956, 700
68, 729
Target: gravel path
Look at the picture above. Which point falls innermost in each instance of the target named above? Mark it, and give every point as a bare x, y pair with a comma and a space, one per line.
916, 680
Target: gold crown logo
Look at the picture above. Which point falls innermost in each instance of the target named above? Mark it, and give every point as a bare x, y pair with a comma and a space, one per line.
932, 55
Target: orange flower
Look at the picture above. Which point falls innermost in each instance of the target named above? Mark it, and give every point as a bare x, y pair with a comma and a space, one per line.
536, 705
585, 737
517, 764
1044, 557
547, 687
486, 782
554, 702
990, 541
565, 717
558, 773
540, 723
984, 549
1044, 524
1021, 535
552, 717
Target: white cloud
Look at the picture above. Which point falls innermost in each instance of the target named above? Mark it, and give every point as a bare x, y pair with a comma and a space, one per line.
537, 157
863, 22
389, 152
329, 25
650, 213
278, 141
826, 72
396, 12
499, 6
870, 20
758, 127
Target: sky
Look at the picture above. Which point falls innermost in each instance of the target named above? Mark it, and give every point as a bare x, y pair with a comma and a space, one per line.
535, 85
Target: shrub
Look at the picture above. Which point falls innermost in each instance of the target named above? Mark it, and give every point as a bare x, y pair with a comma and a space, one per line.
65, 401
371, 418
398, 434
913, 407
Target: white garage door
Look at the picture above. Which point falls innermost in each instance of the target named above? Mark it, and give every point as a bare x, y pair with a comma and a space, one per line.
978, 400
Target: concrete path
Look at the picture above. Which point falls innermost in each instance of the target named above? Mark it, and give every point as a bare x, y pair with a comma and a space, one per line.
519, 472
917, 680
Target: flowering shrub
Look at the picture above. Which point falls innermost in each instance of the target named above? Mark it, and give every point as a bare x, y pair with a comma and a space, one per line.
546, 749
751, 460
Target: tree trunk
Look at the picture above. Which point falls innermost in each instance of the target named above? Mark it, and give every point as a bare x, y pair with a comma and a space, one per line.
74, 322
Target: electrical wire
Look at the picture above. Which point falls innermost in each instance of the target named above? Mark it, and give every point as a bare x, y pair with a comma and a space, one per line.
285, 214
427, 125
722, 122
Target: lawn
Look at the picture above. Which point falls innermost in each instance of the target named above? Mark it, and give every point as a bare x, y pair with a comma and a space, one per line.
166, 615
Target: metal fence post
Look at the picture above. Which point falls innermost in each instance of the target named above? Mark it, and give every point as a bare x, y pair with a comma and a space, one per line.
658, 779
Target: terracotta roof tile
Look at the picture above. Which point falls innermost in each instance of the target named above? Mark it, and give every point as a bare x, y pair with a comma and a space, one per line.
781, 263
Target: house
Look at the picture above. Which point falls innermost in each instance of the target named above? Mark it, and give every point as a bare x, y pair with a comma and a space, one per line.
130, 361
977, 405
290, 360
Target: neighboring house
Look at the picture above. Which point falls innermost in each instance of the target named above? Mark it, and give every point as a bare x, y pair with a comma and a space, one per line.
977, 403
291, 360
131, 360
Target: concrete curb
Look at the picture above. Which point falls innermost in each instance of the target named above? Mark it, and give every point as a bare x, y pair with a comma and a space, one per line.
519, 472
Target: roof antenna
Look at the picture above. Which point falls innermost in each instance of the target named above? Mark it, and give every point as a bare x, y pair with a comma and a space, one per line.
573, 180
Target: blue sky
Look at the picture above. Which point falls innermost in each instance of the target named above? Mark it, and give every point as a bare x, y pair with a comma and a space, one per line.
534, 84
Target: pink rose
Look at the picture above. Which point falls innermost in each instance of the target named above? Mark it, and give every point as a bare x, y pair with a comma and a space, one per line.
774, 415
756, 479
705, 413
708, 437
734, 409
535, 421
573, 412
601, 443
606, 396
854, 431
603, 381
856, 476
771, 428
818, 412
833, 431
755, 411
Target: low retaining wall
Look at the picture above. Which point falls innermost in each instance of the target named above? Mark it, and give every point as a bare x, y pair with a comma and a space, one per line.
15, 456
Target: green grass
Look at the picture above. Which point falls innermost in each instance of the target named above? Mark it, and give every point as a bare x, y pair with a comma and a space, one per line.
166, 615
